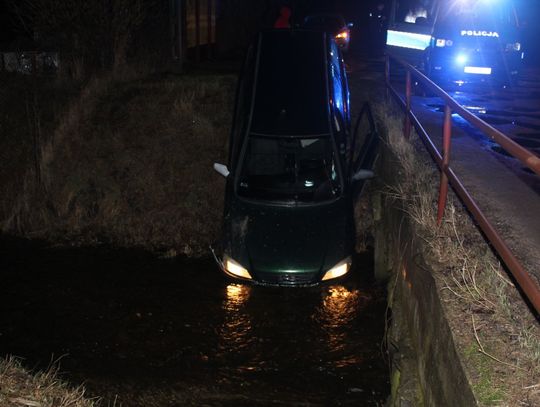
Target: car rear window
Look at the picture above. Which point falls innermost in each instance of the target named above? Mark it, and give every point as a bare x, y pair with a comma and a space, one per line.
291, 92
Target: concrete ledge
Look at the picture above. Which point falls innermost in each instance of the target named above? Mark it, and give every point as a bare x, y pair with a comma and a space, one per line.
427, 370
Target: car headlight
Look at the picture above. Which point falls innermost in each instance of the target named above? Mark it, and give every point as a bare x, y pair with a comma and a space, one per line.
343, 35
234, 268
338, 270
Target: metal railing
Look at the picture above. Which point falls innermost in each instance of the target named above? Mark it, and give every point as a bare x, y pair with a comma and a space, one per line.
526, 283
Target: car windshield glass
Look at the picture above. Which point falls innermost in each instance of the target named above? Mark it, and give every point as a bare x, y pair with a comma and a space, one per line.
289, 170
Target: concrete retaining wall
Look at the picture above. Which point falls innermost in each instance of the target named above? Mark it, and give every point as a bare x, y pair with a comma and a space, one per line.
426, 368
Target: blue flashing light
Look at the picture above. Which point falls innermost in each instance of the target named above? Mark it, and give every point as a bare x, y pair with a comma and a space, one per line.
461, 59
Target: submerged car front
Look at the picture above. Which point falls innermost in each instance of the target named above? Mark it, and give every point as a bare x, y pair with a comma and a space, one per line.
289, 222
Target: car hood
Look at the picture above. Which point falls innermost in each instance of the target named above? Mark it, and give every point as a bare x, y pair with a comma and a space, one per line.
271, 239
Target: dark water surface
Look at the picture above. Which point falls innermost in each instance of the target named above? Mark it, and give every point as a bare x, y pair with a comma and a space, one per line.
150, 332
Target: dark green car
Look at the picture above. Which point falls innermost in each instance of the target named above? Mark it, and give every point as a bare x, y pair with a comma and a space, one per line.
288, 216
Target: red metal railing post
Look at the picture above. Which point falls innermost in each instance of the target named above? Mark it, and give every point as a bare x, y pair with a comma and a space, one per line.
407, 124
529, 286
443, 188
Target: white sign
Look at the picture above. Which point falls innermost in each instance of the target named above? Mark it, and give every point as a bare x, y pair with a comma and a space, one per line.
474, 33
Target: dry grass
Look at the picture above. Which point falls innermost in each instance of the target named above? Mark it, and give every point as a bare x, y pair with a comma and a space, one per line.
127, 162
30, 112
20, 388
130, 163
487, 314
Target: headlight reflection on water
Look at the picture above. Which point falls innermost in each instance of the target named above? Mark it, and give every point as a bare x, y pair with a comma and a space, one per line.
235, 331
236, 296
339, 309
339, 306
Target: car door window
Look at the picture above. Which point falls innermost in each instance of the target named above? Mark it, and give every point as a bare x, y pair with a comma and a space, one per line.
339, 94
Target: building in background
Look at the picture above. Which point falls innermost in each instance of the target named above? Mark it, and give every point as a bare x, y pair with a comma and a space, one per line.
193, 29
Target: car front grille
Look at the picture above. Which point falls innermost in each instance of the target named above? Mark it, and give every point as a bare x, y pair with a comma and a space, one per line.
288, 279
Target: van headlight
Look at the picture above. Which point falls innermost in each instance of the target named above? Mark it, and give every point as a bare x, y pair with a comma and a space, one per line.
234, 268
338, 270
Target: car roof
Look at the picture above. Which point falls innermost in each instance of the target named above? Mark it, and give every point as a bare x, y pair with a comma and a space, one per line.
291, 96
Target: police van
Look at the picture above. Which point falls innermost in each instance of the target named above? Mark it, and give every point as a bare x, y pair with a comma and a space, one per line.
458, 40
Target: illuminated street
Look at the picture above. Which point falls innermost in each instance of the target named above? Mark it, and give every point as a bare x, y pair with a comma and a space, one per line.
503, 187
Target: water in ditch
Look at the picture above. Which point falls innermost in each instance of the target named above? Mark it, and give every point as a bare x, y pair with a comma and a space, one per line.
139, 331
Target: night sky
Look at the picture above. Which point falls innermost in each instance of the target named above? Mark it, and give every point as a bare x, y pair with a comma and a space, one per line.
7, 29
529, 11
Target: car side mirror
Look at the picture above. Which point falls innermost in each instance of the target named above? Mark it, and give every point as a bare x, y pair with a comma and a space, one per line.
221, 169
363, 174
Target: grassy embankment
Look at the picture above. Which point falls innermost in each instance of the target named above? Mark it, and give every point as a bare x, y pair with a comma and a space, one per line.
496, 334
125, 162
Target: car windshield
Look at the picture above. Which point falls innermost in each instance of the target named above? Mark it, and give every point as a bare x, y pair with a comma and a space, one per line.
288, 169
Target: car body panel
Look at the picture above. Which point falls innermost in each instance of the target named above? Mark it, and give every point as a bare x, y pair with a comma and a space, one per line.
279, 239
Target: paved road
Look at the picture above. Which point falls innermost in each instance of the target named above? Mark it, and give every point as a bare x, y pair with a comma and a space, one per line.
504, 189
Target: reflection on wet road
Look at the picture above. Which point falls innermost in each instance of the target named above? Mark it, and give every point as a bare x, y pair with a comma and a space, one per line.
515, 111
159, 333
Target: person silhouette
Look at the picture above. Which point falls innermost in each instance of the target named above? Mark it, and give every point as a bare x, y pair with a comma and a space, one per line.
283, 20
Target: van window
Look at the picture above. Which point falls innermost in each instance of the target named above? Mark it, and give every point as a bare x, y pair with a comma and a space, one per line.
339, 99
289, 170
409, 11
290, 96
336, 78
